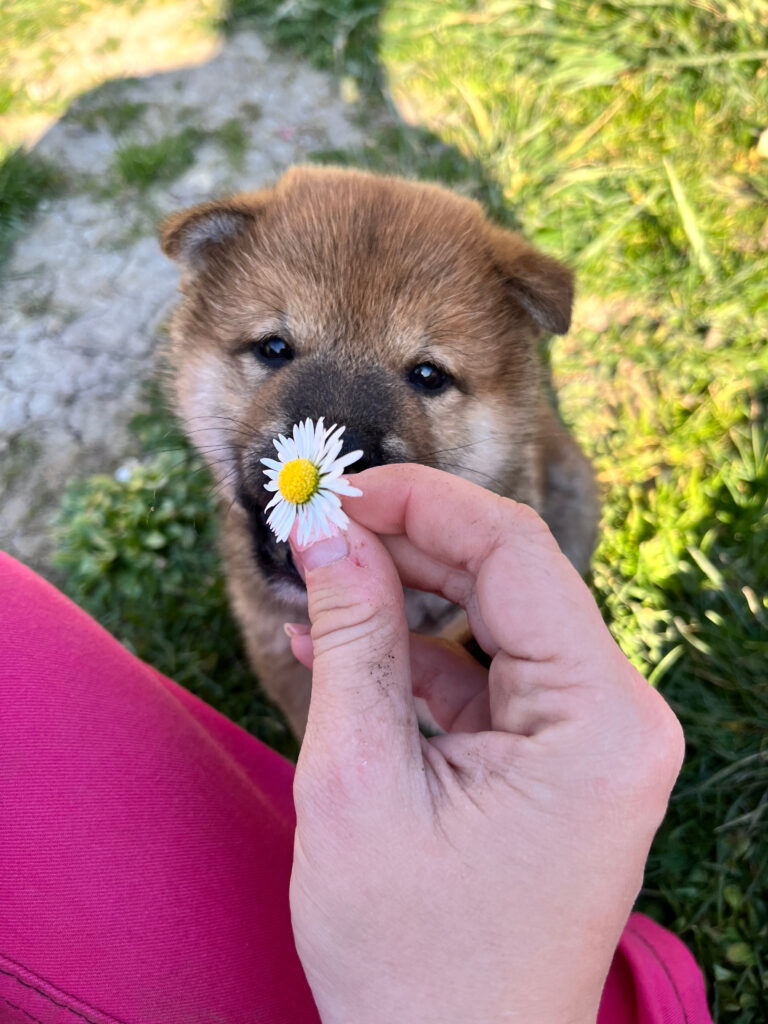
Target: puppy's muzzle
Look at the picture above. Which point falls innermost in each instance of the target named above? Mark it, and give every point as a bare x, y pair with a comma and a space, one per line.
363, 400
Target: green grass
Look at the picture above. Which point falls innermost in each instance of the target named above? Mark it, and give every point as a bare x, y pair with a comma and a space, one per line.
341, 36
232, 138
139, 166
619, 135
25, 22
25, 180
26, 30
116, 116
143, 165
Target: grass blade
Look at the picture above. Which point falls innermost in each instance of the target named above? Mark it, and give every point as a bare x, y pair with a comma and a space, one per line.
690, 224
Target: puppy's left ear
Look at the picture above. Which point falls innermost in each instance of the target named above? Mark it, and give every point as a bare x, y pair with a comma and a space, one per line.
538, 283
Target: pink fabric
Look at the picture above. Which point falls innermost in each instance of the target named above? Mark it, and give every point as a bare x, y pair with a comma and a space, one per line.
653, 980
146, 844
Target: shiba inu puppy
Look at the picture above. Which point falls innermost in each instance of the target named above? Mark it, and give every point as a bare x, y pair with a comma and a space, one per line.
393, 308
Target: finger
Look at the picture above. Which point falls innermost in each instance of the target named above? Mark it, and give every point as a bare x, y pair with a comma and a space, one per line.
493, 556
301, 642
421, 571
444, 674
361, 708
453, 684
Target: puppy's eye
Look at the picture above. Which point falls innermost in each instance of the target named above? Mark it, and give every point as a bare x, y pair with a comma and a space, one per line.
273, 350
428, 377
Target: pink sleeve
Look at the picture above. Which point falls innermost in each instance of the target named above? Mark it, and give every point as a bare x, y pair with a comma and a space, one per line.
653, 980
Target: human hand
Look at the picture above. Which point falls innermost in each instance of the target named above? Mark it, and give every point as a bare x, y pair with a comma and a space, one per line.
485, 874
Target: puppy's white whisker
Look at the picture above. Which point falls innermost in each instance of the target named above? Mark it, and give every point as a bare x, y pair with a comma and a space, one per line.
457, 448
225, 485
470, 473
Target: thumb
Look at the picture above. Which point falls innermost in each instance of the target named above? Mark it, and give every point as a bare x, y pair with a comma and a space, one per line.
361, 706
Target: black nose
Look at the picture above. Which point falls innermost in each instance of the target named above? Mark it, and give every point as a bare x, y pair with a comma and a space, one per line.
358, 440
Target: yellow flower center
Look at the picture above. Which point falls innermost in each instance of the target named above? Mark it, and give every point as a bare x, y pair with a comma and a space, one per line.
298, 481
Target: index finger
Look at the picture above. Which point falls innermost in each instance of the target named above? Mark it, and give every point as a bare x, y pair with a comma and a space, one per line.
491, 555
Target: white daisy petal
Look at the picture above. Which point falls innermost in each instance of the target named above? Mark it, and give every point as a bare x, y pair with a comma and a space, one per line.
318, 443
347, 460
286, 450
342, 486
324, 511
339, 517
284, 517
275, 516
276, 525
288, 521
312, 528
305, 524
328, 463
330, 497
310, 438
334, 438
300, 439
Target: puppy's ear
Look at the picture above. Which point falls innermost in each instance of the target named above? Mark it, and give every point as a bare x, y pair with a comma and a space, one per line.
191, 237
538, 283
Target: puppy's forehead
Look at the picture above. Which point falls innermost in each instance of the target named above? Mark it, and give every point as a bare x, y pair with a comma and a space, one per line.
367, 241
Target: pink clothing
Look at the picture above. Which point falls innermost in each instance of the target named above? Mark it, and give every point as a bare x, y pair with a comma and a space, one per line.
146, 845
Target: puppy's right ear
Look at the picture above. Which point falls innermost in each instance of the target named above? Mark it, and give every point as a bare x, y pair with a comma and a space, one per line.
191, 237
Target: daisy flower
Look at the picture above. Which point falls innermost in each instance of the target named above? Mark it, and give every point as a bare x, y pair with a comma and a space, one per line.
306, 479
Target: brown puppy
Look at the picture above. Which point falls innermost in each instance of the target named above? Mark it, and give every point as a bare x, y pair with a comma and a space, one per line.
393, 308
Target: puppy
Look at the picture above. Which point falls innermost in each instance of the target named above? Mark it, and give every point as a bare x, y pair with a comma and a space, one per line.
393, 308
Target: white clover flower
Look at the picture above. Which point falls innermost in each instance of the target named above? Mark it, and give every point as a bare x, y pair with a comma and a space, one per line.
307, 481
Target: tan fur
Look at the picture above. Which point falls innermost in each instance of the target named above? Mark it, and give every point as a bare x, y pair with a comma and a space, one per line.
366, 277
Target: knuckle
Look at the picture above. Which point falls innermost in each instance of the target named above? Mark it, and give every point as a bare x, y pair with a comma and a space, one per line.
525, 518
667, 739
652, 756
354, 623
519, 528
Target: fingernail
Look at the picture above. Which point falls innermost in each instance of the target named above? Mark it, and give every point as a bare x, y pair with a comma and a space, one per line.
323, 552
296, 628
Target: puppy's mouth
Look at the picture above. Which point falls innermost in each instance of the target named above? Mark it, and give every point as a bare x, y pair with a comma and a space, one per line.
273, 557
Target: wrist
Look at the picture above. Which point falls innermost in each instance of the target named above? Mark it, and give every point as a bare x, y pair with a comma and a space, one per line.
414, 1007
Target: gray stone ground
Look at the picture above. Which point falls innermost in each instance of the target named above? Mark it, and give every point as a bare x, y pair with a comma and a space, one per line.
87, 291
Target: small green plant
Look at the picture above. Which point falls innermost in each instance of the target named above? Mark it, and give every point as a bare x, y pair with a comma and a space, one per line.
25, 180
341, 35
116, 117
234, 141
138, 551
20, 452
141, 166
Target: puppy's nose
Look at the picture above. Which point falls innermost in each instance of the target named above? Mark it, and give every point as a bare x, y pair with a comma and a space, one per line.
371, 449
